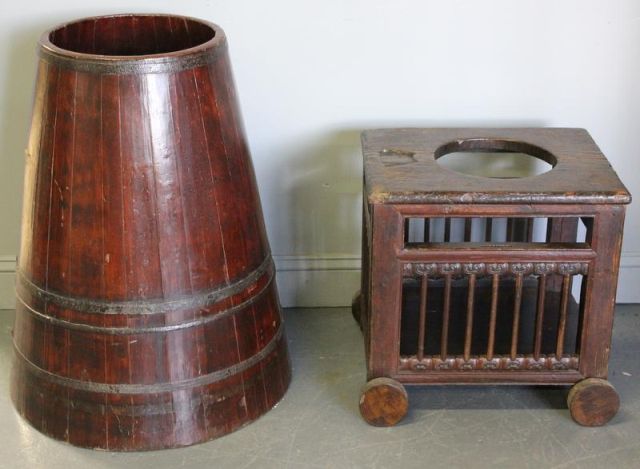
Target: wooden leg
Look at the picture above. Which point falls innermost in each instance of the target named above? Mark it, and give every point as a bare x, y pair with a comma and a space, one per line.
356, 308
593, 402
383, 402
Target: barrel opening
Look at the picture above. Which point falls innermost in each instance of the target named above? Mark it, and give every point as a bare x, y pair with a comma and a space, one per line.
132, 35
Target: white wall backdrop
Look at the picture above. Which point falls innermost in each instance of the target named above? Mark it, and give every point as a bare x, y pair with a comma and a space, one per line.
312, 74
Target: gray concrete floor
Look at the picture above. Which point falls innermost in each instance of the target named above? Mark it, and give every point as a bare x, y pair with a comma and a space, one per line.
318, 425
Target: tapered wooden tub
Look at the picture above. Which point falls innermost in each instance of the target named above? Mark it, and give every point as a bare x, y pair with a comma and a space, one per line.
147, 311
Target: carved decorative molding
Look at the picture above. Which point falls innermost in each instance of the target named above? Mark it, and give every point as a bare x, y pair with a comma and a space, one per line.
479, 364
497, 268
520, 268
432, 269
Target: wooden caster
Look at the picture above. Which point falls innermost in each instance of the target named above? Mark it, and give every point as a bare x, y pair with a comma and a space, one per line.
356, 308
383, 402
593, 402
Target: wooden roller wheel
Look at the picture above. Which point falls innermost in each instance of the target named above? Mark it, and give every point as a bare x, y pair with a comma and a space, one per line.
593, 402
383, 402
356, 308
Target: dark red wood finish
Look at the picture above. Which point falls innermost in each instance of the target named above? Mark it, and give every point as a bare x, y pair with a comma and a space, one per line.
482, 310
148, 315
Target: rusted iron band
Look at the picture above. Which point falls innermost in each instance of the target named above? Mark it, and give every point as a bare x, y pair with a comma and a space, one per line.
126, 408
196, 300
148, 329
125, 388
106, 66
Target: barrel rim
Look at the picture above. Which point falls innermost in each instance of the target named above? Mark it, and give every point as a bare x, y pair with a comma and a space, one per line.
163, 62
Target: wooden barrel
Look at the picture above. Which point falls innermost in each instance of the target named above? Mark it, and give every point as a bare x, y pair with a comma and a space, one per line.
147, 315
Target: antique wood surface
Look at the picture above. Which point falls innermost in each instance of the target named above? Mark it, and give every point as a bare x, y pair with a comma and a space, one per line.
356, 308
383, 328
383, 402
148, 314
472, 308
601, 293
593, 402
402, 168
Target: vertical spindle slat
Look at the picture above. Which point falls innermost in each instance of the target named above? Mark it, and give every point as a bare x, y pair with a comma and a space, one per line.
447, 230
560, 230
469, 328
495, 284
519, 230
426, 230
537, 345
562, 321
510, 223
446, 304
423, 315
487, 229
529, 230
583, 300
467, 229
516, 317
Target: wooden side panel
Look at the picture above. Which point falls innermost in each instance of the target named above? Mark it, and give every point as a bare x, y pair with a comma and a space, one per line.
47, 120
207, 259
144, 278
33, 167
170, 217
61, 196
386, 288
86, 260
113, 183
602, 281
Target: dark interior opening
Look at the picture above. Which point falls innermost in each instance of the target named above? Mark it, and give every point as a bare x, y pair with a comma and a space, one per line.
495, 158
481, 312
572, 232
131, 35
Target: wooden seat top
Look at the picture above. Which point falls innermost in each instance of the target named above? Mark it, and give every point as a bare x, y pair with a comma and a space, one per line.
400, 167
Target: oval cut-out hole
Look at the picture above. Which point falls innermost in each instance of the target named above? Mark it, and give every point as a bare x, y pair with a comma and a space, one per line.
494, 158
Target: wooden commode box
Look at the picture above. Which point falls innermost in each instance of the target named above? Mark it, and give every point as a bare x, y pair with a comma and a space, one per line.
493, 280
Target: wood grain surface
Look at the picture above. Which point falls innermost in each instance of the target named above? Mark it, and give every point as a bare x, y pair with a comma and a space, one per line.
593, 402
148, 315
442, 303
402, 167
383, 402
